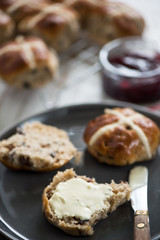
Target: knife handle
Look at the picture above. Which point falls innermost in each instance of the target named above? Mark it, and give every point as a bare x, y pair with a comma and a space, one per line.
141, 226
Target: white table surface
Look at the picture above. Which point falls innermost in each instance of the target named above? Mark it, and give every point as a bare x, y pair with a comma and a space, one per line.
83, 86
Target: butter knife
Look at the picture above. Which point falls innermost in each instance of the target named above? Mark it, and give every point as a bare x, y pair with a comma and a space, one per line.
138, 180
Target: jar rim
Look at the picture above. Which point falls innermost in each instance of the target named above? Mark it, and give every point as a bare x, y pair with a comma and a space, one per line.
105, 50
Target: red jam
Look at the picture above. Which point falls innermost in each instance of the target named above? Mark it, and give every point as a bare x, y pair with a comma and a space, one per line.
136, 62
145, 87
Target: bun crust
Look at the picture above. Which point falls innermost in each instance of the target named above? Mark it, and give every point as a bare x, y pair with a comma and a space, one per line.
37, 147
7, 27
122, 143
83, 8
19, 9
27, 62
57, 24
112, 20
72, 225
4, 4
106, 20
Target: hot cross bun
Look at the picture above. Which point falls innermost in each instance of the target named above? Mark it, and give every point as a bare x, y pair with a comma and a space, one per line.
57, 24
19, 9
122, 136
83, 8
27, 62
104, 20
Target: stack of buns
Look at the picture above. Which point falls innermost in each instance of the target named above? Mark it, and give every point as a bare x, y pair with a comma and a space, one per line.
59, 24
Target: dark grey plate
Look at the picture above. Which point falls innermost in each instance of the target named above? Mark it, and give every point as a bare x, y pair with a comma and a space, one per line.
21, 192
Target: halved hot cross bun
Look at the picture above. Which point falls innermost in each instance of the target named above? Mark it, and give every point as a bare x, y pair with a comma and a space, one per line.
83, 8
76, 203
27, 62
37, 147
122, 136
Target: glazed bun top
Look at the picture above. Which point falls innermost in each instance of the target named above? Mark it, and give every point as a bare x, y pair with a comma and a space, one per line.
22, 8
21, 54
122, 136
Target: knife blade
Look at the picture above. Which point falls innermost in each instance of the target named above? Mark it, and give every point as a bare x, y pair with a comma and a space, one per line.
138, 180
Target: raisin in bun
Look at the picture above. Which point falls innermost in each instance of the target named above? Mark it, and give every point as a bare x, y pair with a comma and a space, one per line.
57, 24
19, 9
36, 147
27, 62
122, 136
7, 27
76, 221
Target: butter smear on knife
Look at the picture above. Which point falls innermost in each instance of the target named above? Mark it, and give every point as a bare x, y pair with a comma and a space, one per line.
138, 177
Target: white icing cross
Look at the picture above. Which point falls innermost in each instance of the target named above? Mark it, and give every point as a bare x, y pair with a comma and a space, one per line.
20, 3
52, 9
123, 120
26, 47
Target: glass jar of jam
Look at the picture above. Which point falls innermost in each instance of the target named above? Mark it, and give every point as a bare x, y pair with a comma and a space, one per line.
131, 69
